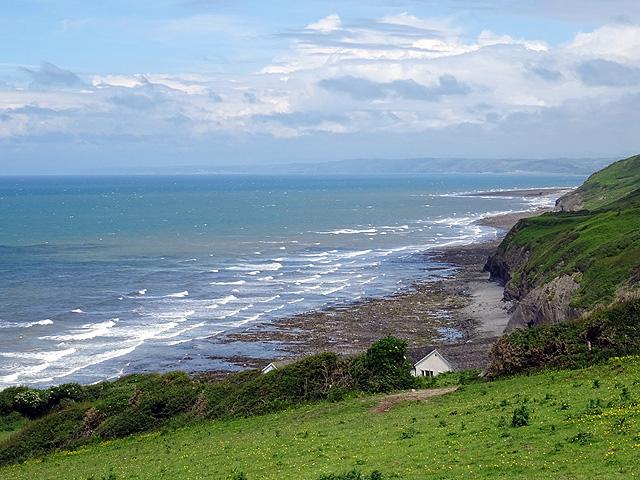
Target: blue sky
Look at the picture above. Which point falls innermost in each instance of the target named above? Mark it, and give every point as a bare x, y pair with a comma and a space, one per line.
89, 85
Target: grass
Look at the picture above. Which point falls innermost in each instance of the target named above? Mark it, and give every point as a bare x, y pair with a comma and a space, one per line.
67, 416
610, 184
579, 424
600, 248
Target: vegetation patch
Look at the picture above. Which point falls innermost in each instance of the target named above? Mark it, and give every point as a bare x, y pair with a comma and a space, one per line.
465, 434
604, 334
69, 416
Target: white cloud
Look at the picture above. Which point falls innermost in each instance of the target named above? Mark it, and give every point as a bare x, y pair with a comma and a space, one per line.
327, 24
613, 42
396, 75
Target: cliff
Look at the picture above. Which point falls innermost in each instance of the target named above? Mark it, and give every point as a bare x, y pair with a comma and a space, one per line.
561, 265
604, 187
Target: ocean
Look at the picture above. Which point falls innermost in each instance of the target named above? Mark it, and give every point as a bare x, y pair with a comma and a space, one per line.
102, 276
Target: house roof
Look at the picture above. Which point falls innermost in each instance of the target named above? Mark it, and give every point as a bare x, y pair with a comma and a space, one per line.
418, 354
280, 363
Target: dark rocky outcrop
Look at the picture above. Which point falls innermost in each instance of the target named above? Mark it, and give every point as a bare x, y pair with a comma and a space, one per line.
532, 304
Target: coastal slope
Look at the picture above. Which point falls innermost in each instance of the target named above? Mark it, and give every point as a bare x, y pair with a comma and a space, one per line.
561, 265
604, 187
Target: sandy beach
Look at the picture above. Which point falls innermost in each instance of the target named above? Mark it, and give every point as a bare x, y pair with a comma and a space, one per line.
462, 314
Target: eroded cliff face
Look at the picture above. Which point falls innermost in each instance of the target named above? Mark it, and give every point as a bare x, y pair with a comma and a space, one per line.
571, 202
532, 304
547, 304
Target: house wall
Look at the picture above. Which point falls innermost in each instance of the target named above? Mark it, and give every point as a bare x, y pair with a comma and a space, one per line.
433, 363
269, 368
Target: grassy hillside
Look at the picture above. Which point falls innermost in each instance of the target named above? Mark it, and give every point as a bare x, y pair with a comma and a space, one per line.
608, 185
577, 424
68, 416
599, 248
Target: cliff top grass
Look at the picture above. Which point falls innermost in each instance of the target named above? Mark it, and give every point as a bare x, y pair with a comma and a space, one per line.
609, 184
576, 424
599, 247
602, 250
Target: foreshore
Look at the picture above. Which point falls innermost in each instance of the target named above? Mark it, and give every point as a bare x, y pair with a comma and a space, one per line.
462, 313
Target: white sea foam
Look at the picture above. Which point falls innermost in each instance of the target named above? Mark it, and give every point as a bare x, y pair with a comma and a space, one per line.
270, 299
45, 322
334, 290
348, 231
46, 359
231, 313
142, 292
77, 310
307, 279
273, 266
225, 300
369, 280
86, 332
181, 331
178, 294
355, 254
235, 282
274, 309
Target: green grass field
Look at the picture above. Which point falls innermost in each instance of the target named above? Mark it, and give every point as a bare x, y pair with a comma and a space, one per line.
583, 424
610, 184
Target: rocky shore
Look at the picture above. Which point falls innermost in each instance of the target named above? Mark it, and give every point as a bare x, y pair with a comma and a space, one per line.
462, 314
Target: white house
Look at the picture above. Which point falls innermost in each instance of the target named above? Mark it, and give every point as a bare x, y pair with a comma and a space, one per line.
276, 364
428, 362
270, 367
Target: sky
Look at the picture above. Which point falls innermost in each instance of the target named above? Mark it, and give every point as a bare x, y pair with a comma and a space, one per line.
88, 86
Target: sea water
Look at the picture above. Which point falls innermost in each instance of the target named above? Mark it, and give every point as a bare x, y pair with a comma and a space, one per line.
101, 276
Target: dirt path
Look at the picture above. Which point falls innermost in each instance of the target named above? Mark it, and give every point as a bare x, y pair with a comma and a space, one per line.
388, 402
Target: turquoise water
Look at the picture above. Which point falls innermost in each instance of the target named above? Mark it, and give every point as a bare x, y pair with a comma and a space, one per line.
107, 275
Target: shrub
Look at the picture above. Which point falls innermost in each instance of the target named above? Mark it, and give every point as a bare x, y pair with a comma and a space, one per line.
520, 417
126, 423
582, 438
31, 403
70, 391
6, 399
51, 432
384, 367
313, 378
604, 334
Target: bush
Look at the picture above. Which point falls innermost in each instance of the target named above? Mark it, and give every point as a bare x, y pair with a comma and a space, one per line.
604, 334
31, 403
520, 417
314, 378
71, 415
51, 432
67, 391
6, 399
384, 367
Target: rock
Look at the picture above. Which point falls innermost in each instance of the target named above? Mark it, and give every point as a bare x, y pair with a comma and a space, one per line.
547, 304
571, 202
